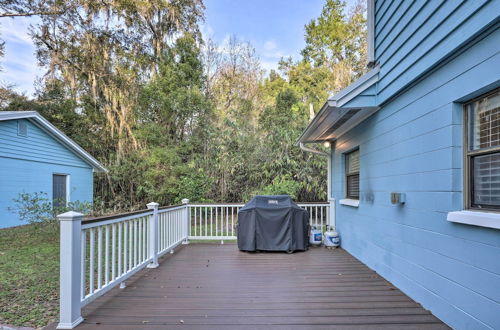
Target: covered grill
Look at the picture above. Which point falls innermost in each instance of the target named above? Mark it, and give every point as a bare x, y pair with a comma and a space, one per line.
273, 223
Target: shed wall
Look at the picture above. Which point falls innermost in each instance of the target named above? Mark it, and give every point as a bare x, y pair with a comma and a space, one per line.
28, 163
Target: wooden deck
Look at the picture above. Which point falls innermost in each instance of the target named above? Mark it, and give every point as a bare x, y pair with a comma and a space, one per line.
211, 286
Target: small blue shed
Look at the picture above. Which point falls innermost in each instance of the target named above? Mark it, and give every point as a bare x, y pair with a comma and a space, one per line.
37, 157
414, 157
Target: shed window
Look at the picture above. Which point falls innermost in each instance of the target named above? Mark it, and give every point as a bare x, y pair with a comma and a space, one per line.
483, 151
352, 174
22, 128
59, 190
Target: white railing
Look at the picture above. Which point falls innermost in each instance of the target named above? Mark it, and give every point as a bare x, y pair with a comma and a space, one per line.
111, 251
172, 228
213, 221
218, 221
101, 253
319, 214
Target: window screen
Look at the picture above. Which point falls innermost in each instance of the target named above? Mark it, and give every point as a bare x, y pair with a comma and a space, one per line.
352, 174
483, 154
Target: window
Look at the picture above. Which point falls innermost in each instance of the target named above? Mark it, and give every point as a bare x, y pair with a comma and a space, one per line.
482, 164
59, 190
352, 174
22, 128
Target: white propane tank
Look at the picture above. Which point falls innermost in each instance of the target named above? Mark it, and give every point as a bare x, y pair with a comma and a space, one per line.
331, 238
315, 236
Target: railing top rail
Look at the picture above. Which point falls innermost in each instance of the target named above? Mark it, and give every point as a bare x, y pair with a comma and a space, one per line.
313, 203
97, 221
164, 209
116, 220
139, 213
242, 204
216, 204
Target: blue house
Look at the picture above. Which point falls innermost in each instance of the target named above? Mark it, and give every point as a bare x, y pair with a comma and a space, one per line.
36, 157
414, 167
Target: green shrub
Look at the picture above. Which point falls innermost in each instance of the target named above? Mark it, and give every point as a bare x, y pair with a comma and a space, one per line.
37, 208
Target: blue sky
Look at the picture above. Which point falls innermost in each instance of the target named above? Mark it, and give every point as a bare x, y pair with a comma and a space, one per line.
274, 27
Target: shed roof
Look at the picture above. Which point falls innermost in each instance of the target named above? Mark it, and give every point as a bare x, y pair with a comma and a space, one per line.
54, 132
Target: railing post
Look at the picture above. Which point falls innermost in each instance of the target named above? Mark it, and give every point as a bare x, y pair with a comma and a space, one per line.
187, 216
153, 235
70, 277
331, 213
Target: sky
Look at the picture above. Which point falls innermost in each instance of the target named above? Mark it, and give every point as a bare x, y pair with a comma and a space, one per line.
274, 27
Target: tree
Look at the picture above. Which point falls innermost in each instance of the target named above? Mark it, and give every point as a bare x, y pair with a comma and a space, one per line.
337, 40
104, 51
173, 116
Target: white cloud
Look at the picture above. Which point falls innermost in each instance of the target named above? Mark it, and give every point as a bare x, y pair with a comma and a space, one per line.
269, 65
19, 65
271, 50
270, 45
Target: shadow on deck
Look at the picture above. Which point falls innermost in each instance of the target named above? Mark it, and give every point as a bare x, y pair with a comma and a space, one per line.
209, 286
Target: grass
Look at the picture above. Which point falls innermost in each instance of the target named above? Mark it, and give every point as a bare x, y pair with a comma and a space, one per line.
29, 275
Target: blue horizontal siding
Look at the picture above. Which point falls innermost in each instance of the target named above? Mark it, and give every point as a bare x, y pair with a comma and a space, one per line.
414, 145
28, 163
37, 146
432, 31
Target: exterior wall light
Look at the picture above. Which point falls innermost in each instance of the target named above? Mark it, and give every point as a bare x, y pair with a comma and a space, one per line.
327, 144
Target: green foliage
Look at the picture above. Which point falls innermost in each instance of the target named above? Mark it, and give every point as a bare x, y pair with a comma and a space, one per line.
337, 40
282, 186
37, 208
195, 186
172, 117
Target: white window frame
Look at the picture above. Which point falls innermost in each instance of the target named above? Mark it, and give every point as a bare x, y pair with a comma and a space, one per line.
470, 154
349, 200
68, 179
489, 218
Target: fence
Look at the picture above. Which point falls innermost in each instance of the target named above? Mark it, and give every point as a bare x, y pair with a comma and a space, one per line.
218, 221
101, 253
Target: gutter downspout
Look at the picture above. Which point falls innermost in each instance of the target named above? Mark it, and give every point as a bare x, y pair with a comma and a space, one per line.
331, 200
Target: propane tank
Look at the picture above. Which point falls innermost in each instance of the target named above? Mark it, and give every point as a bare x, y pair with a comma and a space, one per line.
315, 236
331, 238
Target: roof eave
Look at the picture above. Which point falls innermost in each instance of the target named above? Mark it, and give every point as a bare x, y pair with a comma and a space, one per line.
345, 100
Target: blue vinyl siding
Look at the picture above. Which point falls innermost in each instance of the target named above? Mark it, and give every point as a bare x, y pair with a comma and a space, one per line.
28, 163
413, 145
413, 36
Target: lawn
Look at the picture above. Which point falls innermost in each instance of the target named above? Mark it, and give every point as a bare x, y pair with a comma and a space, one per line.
29, 275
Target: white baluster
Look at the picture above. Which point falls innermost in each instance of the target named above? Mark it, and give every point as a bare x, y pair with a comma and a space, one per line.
106, 255
113, 252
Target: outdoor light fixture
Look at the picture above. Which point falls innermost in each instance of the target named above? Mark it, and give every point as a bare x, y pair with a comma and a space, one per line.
327, 144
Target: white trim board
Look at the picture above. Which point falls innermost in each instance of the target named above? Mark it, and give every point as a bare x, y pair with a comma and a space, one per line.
349, 202
476, 218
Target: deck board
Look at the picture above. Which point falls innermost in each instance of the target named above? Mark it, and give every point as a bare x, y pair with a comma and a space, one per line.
209, 286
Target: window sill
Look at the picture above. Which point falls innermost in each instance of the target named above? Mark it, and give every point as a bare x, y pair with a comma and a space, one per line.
476, 218
349, 202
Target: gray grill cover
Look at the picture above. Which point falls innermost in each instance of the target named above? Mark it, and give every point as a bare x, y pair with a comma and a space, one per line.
273, 223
